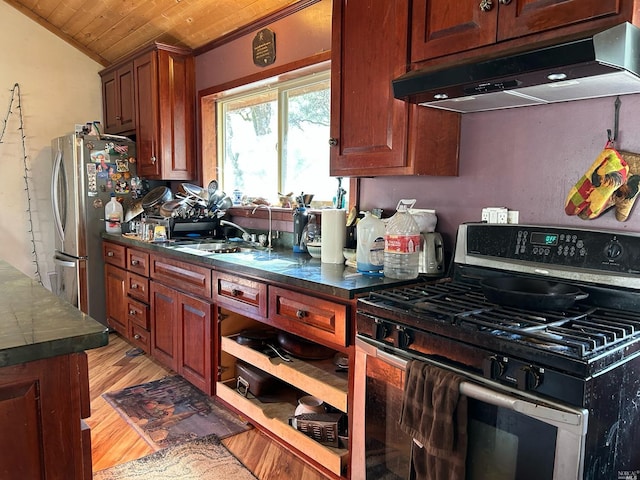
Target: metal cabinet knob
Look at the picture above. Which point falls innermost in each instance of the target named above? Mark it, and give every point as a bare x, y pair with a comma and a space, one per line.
134, 262
153, 160
110, 254
236, 292
301, 314
486, 5
136, 336
132, 312
333, 142
134, 286
505, 2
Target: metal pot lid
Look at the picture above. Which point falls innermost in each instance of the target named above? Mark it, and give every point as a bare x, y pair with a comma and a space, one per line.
195, 190
155, 196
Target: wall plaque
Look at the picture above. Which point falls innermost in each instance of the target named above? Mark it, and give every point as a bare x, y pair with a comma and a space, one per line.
264, 48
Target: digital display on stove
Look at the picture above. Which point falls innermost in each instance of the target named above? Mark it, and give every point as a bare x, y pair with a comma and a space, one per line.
547, 239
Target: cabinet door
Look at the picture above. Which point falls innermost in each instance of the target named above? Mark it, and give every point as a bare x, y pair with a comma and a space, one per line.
374, 134
196, 342
523, 17
176, 115
164, 324
165, 99
146, 88
441, 28
370, 48
116, 298
118, 100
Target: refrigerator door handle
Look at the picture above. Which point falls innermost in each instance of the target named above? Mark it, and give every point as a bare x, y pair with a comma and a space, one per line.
65, 260
55, 178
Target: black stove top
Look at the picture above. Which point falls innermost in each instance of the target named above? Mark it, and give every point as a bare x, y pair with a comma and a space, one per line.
581, 332
584, 339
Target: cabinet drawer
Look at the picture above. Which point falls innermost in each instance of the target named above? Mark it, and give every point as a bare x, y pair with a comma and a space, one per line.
181, 275
138, 313
139, 337
114, 254
138, 287
307, 316
138, 262
247, 296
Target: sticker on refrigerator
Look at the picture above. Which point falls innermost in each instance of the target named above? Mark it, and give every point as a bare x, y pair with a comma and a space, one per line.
100, 156
92, 183
121, 186
121, 149
122, 165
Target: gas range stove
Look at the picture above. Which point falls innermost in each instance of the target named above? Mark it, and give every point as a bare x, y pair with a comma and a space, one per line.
453, 320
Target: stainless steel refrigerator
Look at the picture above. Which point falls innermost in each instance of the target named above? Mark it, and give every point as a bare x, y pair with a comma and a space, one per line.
86, 170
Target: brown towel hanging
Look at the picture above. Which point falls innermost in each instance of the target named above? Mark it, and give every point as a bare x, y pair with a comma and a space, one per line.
434, 413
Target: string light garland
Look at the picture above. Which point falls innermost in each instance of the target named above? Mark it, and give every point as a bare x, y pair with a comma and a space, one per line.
15, 97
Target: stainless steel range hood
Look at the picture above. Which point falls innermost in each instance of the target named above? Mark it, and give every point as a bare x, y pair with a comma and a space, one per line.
602, 65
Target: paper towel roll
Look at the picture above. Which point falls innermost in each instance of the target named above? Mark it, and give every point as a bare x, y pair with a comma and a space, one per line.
334, 231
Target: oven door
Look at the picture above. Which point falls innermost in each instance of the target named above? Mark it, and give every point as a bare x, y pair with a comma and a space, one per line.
511, 435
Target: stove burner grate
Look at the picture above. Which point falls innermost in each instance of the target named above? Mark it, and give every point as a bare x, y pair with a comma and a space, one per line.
576, 332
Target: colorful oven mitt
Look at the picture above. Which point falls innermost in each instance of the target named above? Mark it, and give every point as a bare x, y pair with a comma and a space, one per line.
594, 192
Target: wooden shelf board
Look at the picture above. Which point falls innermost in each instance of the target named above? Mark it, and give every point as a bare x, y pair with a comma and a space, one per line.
275, 418
317, 377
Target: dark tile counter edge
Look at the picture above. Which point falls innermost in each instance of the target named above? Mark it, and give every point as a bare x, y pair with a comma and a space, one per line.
218, 262
53, 348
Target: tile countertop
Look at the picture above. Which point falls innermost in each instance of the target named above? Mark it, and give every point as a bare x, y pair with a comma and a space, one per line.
282, 266
35, 324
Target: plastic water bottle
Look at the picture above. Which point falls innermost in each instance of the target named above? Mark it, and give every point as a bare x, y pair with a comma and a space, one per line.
402, 244
370, 249
113, 215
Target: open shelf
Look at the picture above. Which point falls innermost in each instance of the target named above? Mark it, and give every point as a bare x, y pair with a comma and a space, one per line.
275, 417
316, 377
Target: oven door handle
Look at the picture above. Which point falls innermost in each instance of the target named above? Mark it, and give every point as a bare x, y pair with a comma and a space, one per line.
555, 414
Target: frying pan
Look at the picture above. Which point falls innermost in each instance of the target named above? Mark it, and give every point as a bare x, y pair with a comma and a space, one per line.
304, 349
156, 196
531, 293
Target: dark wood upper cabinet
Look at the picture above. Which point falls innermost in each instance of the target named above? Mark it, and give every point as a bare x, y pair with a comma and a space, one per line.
370, 129
161, 100
118, 100
438, 29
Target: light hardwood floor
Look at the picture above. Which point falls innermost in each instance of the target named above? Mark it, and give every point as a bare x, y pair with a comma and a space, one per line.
113, 441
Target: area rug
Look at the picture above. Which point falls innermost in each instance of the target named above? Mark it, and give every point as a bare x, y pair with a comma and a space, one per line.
171, 411
203, 458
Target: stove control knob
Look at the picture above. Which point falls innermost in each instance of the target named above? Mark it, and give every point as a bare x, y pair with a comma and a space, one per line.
613, 250
380, 330
529, 378
404, 337
494, 367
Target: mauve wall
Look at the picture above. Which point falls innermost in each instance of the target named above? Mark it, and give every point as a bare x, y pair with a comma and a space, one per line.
524, 159
300, 35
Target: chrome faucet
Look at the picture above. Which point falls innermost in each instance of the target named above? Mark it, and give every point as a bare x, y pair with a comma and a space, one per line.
234, 225
268, 208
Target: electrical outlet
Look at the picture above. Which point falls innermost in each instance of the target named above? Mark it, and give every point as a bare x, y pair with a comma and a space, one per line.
501, 215
513, 216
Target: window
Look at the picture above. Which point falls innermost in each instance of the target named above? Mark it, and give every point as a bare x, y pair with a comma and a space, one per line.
275, 139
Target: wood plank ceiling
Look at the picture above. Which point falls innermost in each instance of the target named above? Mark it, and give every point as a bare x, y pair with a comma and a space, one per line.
107, 30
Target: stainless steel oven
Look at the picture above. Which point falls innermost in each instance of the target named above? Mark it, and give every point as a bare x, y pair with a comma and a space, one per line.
511, 436
552, 391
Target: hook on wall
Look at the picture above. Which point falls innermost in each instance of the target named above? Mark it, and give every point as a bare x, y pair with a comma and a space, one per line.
613, 137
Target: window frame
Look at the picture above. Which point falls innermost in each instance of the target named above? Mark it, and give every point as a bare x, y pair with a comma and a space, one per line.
281, 90
208, 97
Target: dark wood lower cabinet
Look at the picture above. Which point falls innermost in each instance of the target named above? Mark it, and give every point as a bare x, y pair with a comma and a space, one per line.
41, 407
182, 334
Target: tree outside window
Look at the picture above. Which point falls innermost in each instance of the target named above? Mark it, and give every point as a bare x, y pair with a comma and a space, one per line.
275, 139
